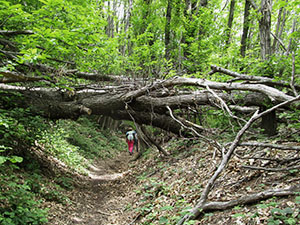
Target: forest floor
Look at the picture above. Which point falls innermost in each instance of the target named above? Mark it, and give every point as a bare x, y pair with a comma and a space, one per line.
101, 198
121, 191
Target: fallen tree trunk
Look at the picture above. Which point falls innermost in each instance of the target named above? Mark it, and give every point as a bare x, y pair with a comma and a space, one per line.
148, 104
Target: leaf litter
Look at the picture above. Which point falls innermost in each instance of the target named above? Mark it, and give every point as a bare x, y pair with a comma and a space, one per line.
159, 190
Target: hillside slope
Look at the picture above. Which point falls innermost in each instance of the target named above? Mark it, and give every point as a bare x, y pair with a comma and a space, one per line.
159, 190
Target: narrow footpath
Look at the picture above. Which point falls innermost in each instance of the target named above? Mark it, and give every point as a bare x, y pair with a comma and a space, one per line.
103, 198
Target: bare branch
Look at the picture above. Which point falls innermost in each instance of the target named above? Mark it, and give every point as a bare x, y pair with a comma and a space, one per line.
280, 42
262, 80
213, 142
244, 109
272, 93
12, 77
15, 32
287, 169
266, 145
195, 212
252, 198
150, 139
223, 104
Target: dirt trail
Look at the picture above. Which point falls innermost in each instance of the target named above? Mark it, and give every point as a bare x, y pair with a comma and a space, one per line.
98, 201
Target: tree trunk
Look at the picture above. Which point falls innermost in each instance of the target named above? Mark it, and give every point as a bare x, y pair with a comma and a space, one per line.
230, 21
129, 44
108, 21
167, 30
148, 104
278, 25
245, 28
268, 123
265, 29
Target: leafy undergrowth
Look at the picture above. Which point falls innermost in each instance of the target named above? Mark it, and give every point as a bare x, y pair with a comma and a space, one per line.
166, 188
151, 190
41, 160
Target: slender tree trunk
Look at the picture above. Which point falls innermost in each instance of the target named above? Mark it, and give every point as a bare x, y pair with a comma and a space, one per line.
114, 13
203, 3
146, 14
291, 41
108, 20
167, 30
129, 46
230, 21
245, 28
279, 19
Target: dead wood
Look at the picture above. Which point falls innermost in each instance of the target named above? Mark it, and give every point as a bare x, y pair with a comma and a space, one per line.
12, 77
267, 145
15, 32
258, 79
152, 141
251, 198
287, 169
226, 155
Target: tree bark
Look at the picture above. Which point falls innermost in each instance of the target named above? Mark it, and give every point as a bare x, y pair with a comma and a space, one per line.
147, 104
230, 21
167, 29
269, 123
265, 28
245, 28
251, 198
280, 20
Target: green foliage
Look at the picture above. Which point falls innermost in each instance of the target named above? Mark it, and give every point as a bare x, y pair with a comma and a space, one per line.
62, 30
12, 159
55, 144
285, 216
18, 204
293, 123
92, 143
281, 214
23, 187
215, 118
18, 125
93, 36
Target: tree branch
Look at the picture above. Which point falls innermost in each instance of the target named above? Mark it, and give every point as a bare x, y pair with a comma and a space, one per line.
287, 169
252, 198
272, 93
266, 145
12, 77
262, 80
195, 212
15, 32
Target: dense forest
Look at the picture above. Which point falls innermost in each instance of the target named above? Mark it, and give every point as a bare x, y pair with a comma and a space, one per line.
211, 87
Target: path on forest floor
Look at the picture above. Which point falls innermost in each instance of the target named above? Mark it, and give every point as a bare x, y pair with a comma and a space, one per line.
98, 201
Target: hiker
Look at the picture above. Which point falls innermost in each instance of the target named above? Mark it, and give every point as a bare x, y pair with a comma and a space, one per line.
132, 140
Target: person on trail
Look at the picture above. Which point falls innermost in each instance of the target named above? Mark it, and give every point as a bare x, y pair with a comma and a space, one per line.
132, 140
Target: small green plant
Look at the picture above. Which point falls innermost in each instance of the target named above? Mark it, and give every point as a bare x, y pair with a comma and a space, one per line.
65, 182
91, 142
18, 204
236, 215
12, 159
282, 216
